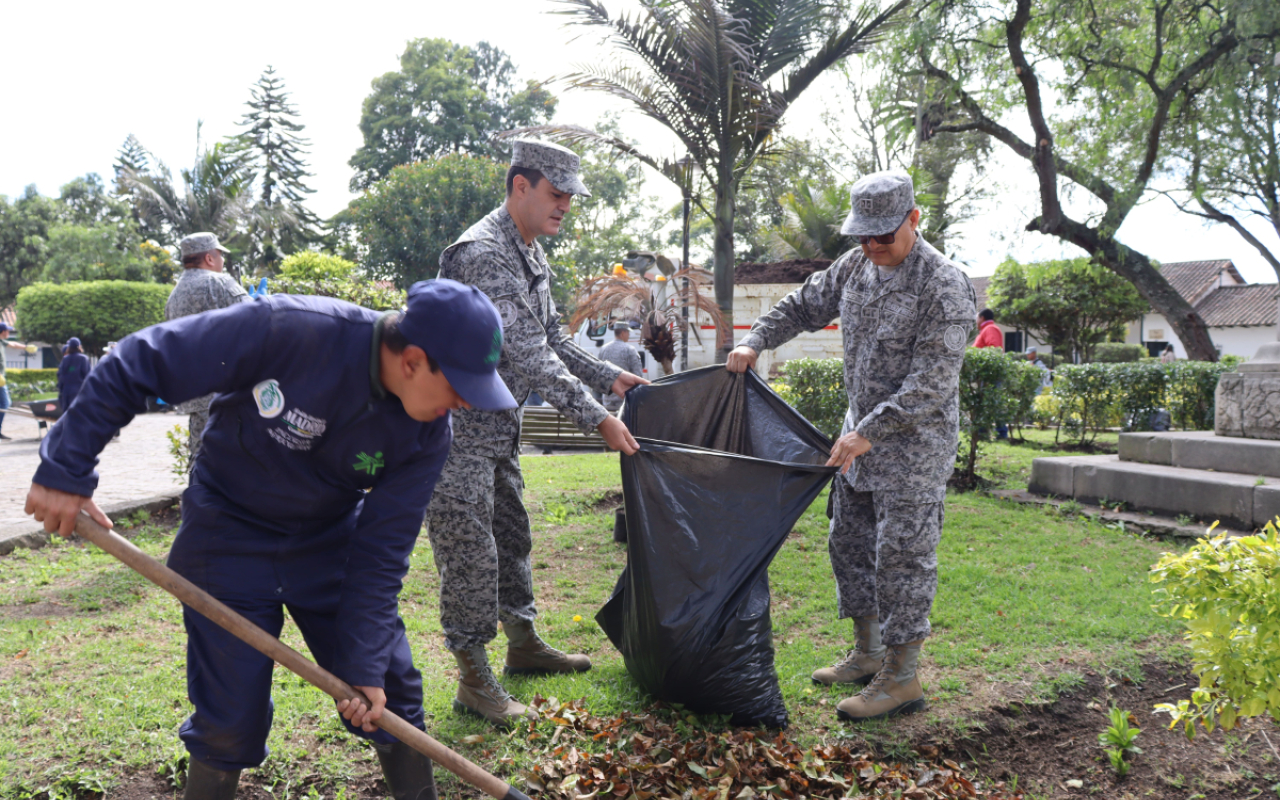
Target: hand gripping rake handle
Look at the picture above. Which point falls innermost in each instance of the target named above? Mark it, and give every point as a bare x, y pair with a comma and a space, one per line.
286, 656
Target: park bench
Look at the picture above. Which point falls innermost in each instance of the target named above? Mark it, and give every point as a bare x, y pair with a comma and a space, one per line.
548, 429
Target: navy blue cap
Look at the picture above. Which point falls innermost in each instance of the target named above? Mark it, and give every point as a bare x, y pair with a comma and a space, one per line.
74, 341
461, 329
4, 326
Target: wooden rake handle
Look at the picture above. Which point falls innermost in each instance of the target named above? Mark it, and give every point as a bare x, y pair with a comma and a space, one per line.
206, 604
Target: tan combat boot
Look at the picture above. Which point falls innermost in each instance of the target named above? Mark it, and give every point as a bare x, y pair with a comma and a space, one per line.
861, 663
895, 690
479, 692
527, 654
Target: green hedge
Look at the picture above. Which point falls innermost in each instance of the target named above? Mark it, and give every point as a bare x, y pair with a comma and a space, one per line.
1087, 398
995, 389
815, 388
25, 384
1115, 352
96, 311
361, 292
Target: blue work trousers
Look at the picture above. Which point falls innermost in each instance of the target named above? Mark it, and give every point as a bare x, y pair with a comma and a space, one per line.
259, 572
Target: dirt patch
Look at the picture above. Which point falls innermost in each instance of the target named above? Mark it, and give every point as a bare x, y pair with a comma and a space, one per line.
607, 502
149, 785
1045, 746
40, 610
794, 271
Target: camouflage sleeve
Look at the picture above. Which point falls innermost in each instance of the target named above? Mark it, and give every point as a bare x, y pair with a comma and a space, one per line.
227, 291
934, 377
525, 345
809, 308
594, 372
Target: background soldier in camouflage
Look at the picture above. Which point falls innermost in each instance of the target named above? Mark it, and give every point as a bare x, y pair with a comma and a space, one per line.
621, 353
477, 522
905, 312
203, 286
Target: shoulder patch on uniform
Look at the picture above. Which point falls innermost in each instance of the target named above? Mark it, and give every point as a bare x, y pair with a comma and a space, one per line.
955, 337
506, 310
269, 398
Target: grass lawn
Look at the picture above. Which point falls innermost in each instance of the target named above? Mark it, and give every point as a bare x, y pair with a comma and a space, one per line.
92, 657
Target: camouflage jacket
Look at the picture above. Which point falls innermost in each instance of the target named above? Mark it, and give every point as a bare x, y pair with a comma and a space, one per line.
537, 355
904, 342
201, 290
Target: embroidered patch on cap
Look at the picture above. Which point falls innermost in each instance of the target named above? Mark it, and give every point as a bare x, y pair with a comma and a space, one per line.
955, 337
269, 398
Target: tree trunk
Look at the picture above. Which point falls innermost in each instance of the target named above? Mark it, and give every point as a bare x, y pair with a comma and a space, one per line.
723, 266
1136, 268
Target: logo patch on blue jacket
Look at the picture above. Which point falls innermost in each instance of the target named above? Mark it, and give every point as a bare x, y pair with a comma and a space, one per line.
269, 398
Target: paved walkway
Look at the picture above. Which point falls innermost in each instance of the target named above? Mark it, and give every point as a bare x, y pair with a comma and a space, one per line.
135, 466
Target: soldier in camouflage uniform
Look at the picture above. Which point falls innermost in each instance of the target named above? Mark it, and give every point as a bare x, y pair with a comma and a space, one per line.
905, 312
477, 522
621, 353
203, 286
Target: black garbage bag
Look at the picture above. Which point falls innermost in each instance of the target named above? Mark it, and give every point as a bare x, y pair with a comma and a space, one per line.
725, 469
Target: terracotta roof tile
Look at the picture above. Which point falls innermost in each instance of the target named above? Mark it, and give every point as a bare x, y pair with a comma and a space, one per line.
1236, 306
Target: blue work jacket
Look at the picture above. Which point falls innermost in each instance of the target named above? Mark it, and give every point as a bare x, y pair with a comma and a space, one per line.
71, 376
301, 436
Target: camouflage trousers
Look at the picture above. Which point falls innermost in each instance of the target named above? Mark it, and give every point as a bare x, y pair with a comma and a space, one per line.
480, 539
883, 547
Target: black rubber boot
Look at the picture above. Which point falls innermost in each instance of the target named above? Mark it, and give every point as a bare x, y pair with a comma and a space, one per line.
408, 773
206, 783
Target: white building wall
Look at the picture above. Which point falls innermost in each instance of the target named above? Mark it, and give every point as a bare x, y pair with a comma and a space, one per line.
1234, 341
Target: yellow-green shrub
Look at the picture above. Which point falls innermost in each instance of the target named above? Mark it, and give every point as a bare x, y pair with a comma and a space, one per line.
1227, 593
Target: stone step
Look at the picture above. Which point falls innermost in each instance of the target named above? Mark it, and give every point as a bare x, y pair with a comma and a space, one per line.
1203, 450
1237, 500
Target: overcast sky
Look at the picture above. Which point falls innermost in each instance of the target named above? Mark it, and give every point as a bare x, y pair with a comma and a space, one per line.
81, 76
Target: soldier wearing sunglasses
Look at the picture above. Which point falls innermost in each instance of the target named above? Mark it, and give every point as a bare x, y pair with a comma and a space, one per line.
905, 314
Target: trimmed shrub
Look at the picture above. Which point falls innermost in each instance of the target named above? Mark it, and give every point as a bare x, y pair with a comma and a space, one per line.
308, 265
24, 384
96, 311
1089, 399
1116, 352
1142, 392
1190, 391
815, 388
995, 389
1227, 594
361, 292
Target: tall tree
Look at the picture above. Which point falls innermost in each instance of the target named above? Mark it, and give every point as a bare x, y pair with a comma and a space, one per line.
445, 98
215, 196
132, 157
1232, 151
24, 231
1072, 305
1101, 84
283, 223
720, 75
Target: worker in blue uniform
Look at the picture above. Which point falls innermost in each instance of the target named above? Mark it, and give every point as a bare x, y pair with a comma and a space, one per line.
325, 440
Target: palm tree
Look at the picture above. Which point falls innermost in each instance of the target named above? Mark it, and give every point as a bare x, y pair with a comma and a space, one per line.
720, 75
215, 197
811, 228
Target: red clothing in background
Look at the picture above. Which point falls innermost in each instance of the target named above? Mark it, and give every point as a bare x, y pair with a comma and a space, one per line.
989, 335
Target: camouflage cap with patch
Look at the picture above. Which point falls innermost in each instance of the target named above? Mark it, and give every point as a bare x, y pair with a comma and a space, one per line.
196, 243
557, 164
879, 203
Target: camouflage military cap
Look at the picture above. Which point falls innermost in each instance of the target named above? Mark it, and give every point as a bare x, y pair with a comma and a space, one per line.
197, 243
879, 203
557, 164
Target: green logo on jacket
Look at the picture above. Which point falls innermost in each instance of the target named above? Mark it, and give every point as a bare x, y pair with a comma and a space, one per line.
495, 352
367, 463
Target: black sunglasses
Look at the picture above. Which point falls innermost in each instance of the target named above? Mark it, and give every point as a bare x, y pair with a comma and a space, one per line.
884, 238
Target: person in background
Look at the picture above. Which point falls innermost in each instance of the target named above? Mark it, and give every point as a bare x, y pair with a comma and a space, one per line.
1168, 356
72, 371
621, 353
1046, 376
989, 333
5, 402
203, 286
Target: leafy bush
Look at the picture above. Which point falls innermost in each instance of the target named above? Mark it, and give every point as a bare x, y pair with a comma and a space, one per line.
995, 389
308, 265
25, 384
815, 388
361, 292
1227, 593
96, 311
1142, 392
1190, 391
1089, 399
1115, 352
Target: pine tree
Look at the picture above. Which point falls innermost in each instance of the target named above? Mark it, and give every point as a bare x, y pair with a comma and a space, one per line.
133, 158
282, 223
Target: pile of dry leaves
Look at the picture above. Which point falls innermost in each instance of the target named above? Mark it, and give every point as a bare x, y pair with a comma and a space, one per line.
658, 754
